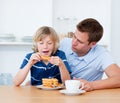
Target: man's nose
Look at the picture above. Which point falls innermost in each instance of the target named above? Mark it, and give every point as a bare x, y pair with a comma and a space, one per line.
75, 42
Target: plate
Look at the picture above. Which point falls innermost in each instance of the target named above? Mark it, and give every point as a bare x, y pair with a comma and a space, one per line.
49, 88
71, 93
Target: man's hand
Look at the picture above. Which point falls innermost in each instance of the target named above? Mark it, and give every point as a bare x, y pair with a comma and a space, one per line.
87, 86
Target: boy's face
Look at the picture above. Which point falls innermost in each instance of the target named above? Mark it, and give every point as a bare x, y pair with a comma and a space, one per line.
45, 46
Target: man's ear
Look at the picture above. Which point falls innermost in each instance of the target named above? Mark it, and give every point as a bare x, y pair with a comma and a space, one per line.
92, 44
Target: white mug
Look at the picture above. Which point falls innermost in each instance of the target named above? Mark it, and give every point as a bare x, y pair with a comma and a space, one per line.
73, 85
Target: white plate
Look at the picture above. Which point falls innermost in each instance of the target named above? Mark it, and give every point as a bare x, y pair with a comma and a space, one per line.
48, 88
71, 93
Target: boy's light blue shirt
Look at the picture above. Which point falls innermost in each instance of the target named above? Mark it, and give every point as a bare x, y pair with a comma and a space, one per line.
91, 66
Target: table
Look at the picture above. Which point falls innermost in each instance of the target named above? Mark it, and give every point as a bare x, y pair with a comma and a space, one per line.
31, 94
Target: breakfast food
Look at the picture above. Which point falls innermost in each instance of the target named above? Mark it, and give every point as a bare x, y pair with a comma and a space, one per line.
45, 57
50, 82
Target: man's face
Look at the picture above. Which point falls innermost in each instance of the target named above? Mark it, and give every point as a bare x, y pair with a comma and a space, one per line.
80, 43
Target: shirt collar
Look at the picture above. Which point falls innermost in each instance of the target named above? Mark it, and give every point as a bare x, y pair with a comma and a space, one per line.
90, 54
77, 57
85, 58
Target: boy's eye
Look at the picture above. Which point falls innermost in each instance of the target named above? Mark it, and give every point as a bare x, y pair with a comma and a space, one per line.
40, 42
50, 43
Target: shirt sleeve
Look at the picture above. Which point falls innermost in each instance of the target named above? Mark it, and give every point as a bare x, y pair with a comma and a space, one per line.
67, 64
25, 60
107, 60
63, 57
65, 44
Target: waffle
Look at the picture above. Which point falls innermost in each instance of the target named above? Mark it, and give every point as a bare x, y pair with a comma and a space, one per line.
46, 58
50, 82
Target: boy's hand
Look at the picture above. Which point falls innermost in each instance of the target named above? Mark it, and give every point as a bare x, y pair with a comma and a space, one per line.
55, 60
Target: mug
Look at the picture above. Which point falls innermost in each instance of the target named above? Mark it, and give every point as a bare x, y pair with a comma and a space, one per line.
73, 85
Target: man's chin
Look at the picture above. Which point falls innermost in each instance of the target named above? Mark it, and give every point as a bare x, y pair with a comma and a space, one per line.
73, 49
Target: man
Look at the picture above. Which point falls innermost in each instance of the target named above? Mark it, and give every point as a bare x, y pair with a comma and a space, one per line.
88, 60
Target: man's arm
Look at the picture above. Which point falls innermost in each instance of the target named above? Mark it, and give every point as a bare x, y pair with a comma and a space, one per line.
113, 80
